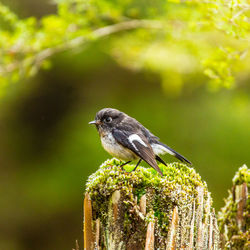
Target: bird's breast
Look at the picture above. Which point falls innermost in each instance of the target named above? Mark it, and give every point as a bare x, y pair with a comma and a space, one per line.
115, 149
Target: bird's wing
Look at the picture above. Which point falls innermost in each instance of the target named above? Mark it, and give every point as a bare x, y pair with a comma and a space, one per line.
163, 148
137, 143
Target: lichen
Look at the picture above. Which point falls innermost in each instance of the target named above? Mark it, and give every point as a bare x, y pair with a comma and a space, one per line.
233, 236
177, 187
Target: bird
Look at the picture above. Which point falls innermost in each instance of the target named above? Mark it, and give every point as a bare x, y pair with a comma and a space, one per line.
125, 138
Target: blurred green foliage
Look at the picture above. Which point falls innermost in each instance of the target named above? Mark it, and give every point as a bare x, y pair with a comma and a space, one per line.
210, 37
154, 60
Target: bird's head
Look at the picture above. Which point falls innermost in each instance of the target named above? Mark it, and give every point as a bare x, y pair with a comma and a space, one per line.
106, 119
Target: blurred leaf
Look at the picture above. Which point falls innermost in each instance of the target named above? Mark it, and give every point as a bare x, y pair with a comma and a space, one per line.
178, 37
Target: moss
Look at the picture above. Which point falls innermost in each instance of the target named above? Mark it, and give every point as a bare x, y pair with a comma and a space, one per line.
176, 187
242, 175
234, 237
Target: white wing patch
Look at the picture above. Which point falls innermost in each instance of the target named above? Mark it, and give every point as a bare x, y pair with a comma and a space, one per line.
135, 137
160, 150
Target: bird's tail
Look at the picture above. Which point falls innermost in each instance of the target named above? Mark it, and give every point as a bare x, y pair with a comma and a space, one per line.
175, 154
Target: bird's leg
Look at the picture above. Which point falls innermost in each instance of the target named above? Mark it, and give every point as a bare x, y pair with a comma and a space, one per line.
136, 165
125, 163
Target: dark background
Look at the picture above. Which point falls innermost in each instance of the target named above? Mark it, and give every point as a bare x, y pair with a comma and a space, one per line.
48, 149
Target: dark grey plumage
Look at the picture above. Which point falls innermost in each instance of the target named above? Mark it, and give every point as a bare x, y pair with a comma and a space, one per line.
125, 138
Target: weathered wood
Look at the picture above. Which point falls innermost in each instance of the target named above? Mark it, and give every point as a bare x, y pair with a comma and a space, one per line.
199, 216
185, 221
114, 238
166, 216
241, 193
216, 232
97, 234
114, 230
88, 233
171, 243
77, 246
206, 228
191, 237
150, 238
143, 204
234, 217
210, 238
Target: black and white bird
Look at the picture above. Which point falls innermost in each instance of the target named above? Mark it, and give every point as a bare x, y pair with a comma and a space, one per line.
125, 138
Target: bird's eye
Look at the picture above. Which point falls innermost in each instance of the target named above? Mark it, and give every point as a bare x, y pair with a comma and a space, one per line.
108, 119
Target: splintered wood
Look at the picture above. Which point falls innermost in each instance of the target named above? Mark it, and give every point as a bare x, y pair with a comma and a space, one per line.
193, 226
191, 235
114, 230
150, 238
171, 243
97, 234
199, 216
77, 246
241, 195
143, 201
88, 234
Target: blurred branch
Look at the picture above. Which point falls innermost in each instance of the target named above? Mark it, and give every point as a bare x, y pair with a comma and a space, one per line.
97, 34
81, 40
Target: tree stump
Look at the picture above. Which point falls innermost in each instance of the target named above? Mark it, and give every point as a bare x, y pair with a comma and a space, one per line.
234, 217
142, 210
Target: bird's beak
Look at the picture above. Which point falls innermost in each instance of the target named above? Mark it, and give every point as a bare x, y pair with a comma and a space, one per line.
98, 122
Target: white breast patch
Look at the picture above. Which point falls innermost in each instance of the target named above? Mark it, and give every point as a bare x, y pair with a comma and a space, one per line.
115, 149
135, 137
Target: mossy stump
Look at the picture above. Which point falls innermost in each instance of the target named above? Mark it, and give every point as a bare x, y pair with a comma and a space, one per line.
234, 217
142, 210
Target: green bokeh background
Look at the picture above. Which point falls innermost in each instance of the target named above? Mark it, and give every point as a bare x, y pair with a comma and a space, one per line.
48, 149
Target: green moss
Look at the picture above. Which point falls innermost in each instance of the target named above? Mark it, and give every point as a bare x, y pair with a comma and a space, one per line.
234, 237
176, 187
242, 175
111, 177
